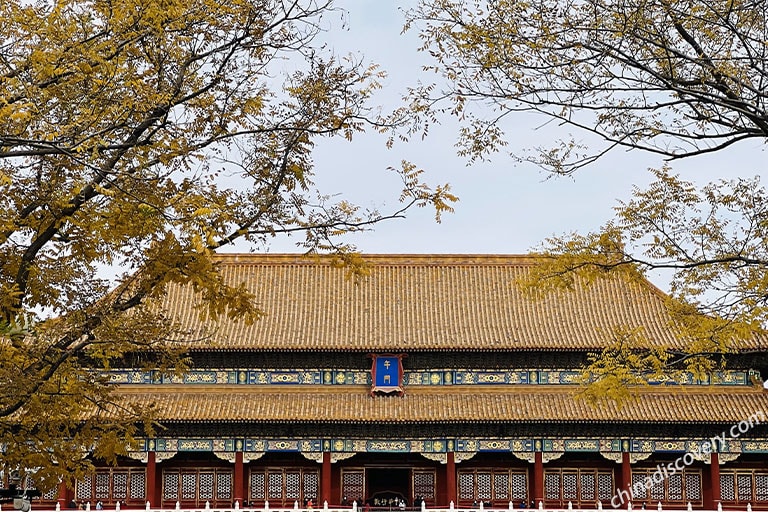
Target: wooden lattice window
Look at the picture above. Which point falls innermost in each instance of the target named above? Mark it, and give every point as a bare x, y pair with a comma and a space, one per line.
292, 485
578, 485
743, 485
224, 485
761, 486
189, 483
680, 487
501, 485
110, 485
424, 484
727, 487
84, 488
466, 486
674, 489
552, 485
120, 486
519, 486
483, 485
198, 485
206, 486
257, 481
170, 486
490, 484
570, 485
693, 486
137, 485
587, 483
275, 484
604, 485
311, 483
284, 485
353, 484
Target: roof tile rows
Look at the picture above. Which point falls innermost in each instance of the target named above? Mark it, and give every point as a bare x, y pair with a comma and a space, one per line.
445, 404
423, 303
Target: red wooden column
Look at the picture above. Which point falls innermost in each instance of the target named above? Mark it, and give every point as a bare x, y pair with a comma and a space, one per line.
152, 480
626, 476
714, 483
450, 478
325, 480
239, 480
62, 496
538, 478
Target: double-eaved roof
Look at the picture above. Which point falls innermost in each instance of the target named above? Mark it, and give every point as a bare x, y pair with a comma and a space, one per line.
423, 303
427, 303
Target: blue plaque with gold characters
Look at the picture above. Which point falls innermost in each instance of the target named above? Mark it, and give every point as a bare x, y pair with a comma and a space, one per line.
387, 373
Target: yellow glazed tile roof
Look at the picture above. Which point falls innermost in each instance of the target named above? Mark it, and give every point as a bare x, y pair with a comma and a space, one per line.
420, 303
449, 404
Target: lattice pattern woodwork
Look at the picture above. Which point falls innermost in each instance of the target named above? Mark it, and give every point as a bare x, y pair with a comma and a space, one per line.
604, 486
727, 487
519, 486
84, 489
275, 485
110, 485
311, 484
170, 485
283, 484
638, 486
692, 486
205, 491
466, 486
101, 490
583, 485
224, 485
570, 482
588, 484
188, 485
674, 484
138, 485
501, 486
198, 485
120, 486
424, 484
483, 486
492, 484
657, 492
552, 485
761, 486
680, 487
257, 486
292, 485
744, 486
352, 484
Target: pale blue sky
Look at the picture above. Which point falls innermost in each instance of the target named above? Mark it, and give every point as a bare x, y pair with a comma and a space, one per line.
503, 208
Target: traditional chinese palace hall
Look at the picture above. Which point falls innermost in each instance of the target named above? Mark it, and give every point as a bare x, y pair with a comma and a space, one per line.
433, 379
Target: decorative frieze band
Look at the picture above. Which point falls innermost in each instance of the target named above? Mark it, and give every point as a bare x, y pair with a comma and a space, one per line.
435, 449
446, 377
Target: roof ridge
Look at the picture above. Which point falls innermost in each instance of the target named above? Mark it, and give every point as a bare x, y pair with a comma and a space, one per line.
383, 258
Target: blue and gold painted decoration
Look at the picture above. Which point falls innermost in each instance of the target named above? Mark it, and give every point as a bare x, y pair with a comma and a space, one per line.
753, 446
468, 445
388, 446
387, 373
494, 445
582, 445
195, 445
436, 377
613, 445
